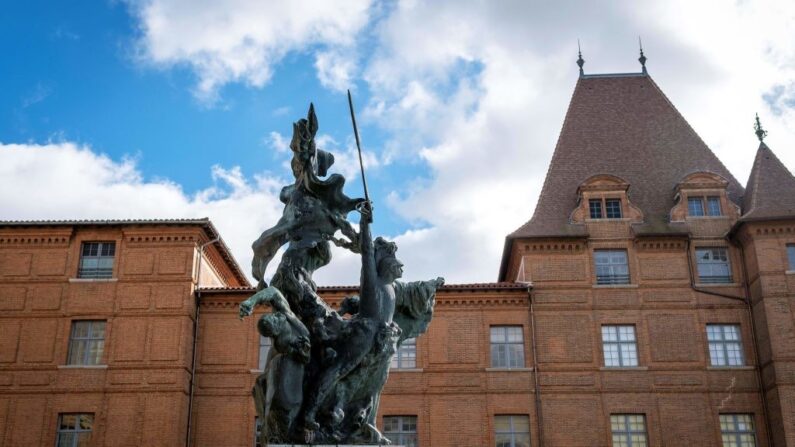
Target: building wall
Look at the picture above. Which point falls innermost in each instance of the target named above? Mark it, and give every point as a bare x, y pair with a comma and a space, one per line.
453, 392
772, 288
138, 394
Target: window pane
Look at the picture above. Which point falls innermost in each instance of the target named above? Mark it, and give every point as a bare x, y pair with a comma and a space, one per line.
611, 267
695, 206
713, 265
96, 260
86, 343
613, 208
619, 345
595, 208
713, 206
507, 347
725, 345
264, 349
791, 256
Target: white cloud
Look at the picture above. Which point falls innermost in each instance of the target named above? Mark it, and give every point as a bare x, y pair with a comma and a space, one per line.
240, 41
479, 93
67, 181
335, 69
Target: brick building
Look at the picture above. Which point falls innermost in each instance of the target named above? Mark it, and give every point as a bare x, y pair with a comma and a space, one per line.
649, 301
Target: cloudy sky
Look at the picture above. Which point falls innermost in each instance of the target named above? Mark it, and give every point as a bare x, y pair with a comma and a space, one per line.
183, 108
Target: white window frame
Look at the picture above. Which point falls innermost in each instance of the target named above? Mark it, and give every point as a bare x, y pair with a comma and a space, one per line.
406, 355
403, 435
265, 345
608, 271
737, 430
95, 266
506, 348
71, 437
625, 431
620, 346
725, 345
707, 268
93, 346
516, 436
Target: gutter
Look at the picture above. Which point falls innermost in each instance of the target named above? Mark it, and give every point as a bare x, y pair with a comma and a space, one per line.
749, 308
197, 303
536, 385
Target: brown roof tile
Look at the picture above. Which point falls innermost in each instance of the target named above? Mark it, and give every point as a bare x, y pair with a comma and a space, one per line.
622, 125
770, 192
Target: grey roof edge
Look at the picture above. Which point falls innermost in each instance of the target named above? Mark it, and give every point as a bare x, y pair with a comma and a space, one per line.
204, 222
495, 286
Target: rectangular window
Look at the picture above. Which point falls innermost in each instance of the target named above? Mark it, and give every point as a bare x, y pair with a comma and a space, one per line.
401, 430
713, 206
512, 431
595, 207
613, 208
406, 355
507, 347
74, 429
725, 345
611, 267
791, 256
264, 349
737, 430
619, 345
257, 431
96, 260
86, 343
629, 430
713, 265
695, 206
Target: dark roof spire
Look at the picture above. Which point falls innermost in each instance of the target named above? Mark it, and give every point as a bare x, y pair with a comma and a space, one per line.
580, 60
760, 133
642, 58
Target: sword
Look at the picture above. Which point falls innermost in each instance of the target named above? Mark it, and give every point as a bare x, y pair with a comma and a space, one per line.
358, 146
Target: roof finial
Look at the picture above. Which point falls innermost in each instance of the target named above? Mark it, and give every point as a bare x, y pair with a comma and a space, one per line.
580, 60
760, 133
642, 57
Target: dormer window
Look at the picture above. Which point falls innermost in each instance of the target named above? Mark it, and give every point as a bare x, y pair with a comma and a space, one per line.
605, 208
704, 206
603, 198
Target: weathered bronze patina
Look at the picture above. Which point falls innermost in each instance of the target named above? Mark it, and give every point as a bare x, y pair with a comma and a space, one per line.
324, 375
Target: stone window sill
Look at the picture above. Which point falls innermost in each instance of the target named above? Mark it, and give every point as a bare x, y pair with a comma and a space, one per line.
713, 285
624, 368
721, 217
790, 272
615, 286
257, 371
731, 368
82, 366
607, 219
93, 279
508, 369
405, 370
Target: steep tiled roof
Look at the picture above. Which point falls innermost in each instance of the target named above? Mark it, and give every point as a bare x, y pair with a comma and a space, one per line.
622, 125
770, 192
204, 222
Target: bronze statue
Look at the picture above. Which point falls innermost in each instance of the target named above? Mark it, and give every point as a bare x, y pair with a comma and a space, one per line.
323, 379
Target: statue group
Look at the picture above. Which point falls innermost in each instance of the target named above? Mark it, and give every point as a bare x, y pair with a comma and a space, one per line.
323, 377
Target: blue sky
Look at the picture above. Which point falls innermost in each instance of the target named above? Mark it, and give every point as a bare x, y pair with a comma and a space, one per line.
177, 108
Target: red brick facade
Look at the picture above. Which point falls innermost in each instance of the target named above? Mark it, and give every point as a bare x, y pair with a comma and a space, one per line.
673, 275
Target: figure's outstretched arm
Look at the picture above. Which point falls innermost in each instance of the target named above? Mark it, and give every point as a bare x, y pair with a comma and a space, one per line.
368, 307
270, 296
